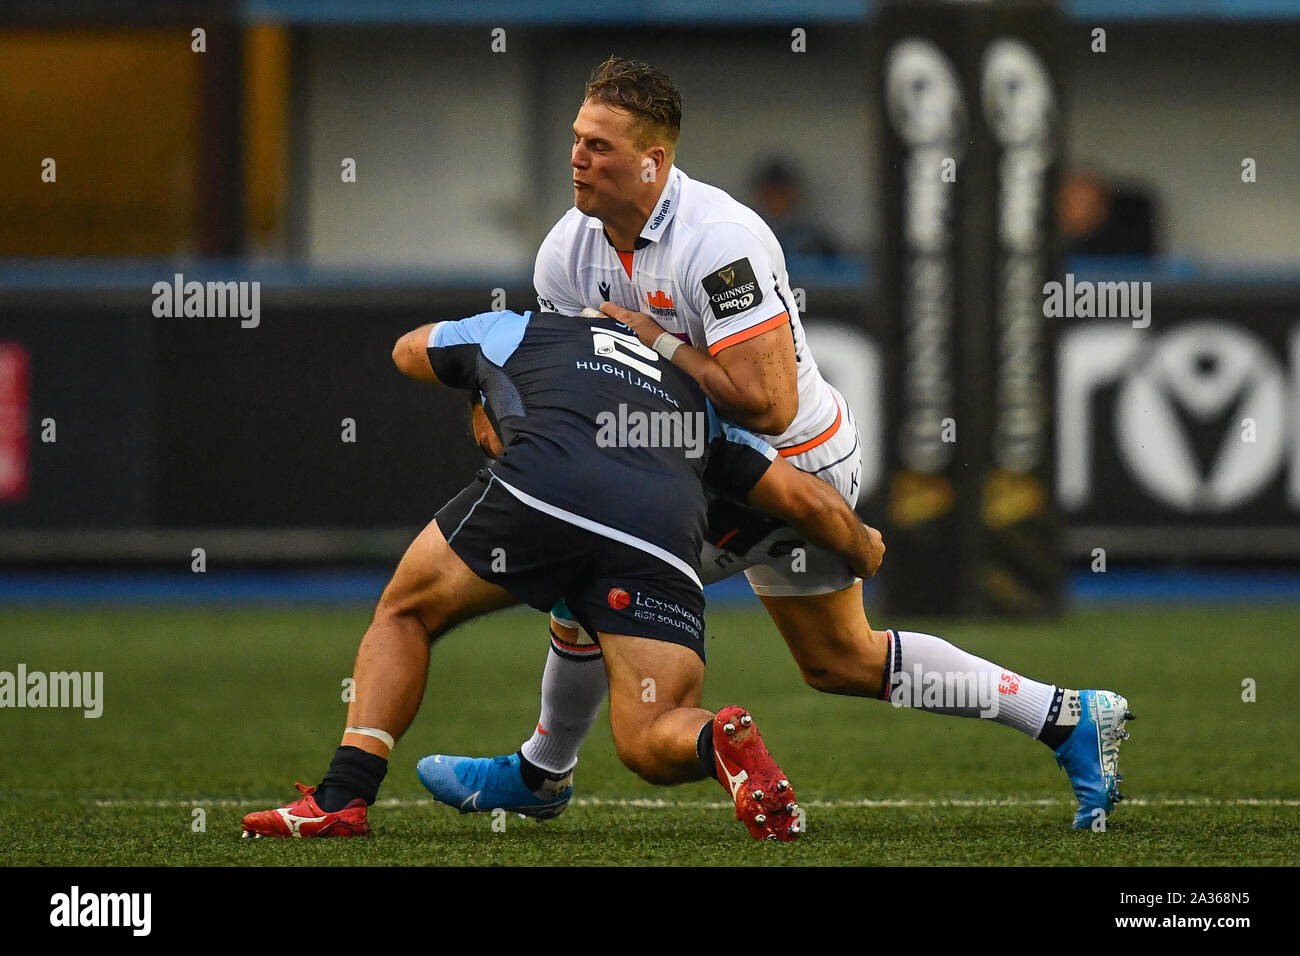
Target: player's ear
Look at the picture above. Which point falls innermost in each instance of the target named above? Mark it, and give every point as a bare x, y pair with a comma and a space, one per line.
654, 163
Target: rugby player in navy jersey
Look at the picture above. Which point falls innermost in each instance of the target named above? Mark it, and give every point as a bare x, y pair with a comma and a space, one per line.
595, 497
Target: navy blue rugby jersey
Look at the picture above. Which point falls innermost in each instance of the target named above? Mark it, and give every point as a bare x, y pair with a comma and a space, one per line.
599, 429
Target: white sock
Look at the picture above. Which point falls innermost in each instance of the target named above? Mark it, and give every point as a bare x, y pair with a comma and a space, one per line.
928, 673
574, 686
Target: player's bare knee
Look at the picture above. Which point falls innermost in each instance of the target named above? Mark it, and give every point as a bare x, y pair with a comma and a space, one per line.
659, 775
633, 742
638, 758
390, 612
630, 747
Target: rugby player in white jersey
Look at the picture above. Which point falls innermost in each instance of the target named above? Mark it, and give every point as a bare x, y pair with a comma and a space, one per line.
702, 280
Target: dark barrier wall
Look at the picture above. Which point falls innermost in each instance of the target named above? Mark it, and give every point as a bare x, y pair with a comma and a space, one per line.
304, 421
89, 416
180, 423
1181, 437
201, 422
300, 422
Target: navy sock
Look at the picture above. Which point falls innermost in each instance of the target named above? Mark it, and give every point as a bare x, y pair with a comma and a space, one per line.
704, 750
1065, 704
354, 773
535, 777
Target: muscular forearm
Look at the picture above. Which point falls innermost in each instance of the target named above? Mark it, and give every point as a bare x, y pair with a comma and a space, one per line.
755, 387
814, 508
837, 528
749, 408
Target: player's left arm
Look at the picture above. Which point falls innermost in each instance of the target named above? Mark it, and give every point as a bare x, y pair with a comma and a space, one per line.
411, 354
448, 352
746, 468
414, 356
753, 383
815, 509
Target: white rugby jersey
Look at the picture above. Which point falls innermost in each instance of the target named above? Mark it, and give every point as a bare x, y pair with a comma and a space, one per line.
708, 269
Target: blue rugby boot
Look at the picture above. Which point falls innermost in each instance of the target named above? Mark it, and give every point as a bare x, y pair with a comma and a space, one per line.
482, 784
1091, 755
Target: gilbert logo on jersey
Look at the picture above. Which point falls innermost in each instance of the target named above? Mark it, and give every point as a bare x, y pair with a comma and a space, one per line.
661, 304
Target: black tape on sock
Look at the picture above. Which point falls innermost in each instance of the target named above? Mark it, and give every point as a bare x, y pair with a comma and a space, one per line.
353, 773
704, 751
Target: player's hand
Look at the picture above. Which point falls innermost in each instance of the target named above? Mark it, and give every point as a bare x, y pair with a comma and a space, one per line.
875, 550
646, 328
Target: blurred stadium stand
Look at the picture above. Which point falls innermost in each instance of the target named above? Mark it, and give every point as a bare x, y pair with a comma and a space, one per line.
174, 433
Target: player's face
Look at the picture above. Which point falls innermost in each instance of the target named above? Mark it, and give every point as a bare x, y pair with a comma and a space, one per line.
606, 163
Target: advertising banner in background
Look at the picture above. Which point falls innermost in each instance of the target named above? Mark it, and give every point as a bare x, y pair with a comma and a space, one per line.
972, 127
1181, 439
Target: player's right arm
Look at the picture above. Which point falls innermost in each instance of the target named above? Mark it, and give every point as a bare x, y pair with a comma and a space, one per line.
553, 277
747, 365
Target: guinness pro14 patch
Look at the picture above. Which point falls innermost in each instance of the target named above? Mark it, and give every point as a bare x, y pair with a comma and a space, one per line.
733, 289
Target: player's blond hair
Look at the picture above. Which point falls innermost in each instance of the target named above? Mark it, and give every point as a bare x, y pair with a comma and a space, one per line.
646, 93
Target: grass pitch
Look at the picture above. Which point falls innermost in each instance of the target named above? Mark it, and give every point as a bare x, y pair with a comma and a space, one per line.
223, 709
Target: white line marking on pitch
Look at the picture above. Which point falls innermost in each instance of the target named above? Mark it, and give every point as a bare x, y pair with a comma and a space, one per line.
659, 804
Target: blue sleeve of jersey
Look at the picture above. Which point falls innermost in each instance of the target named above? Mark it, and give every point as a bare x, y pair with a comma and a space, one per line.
720, 428
737, 458
454, 349
738, 436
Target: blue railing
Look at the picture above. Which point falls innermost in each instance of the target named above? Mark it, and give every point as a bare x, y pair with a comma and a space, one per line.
698, 12
110, 273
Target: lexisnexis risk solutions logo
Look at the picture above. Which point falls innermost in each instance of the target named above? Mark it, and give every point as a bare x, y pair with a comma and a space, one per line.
648, 607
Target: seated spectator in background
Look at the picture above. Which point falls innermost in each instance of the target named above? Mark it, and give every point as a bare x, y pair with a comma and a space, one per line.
1099, 218
779, 199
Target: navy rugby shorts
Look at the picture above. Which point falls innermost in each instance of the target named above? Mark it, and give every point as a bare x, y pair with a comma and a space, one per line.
610, 586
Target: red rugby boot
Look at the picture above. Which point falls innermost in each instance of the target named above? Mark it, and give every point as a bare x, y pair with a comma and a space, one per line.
304, 818
765, 801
